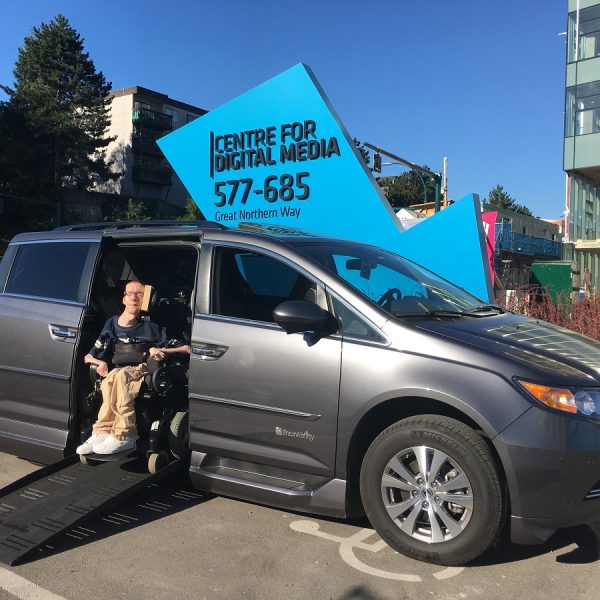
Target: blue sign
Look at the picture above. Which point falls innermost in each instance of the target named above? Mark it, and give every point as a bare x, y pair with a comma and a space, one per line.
451, 243
279, 154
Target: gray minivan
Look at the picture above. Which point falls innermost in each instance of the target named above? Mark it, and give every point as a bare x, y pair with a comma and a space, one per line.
326, 376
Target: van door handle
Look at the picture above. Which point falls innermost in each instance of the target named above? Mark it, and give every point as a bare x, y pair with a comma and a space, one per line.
208, 351
57, 332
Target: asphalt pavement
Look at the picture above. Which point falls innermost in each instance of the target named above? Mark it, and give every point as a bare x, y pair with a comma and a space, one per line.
171, 541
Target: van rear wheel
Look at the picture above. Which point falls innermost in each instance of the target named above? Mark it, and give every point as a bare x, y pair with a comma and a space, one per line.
430, 488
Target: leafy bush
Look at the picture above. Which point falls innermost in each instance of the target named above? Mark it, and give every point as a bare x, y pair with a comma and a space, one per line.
582, 316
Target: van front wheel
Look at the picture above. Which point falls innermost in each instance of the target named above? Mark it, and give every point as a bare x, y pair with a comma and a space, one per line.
430, 488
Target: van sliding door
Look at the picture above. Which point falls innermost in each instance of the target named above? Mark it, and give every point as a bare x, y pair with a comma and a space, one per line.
41, 305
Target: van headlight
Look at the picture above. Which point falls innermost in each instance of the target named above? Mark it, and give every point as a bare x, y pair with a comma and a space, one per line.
578, 401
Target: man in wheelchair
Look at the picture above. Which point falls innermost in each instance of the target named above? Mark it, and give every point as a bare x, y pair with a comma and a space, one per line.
126, 341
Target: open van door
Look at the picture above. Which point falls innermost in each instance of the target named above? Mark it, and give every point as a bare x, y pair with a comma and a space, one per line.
44, 286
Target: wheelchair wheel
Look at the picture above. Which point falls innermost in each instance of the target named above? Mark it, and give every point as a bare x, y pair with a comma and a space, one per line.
179, 434
157, 461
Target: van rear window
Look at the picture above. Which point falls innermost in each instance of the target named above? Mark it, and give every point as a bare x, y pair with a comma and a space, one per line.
56, 270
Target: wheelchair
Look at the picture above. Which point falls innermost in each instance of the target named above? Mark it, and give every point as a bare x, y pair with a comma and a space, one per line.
162, 414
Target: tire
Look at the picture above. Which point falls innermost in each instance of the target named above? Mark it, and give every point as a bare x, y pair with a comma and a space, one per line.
424, 515
179, 434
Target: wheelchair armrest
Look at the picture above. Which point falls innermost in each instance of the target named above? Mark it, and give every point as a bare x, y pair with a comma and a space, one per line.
93, 374
157, 380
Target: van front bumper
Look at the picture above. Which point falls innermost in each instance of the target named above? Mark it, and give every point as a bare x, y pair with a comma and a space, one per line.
552, 466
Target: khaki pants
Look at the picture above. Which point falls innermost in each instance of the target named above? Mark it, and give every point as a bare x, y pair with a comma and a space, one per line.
119, 390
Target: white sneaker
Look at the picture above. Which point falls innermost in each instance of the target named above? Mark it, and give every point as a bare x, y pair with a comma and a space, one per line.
88, 446
111, 445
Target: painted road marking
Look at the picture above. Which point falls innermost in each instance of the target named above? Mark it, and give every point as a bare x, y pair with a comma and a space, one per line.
22, 588
357, 540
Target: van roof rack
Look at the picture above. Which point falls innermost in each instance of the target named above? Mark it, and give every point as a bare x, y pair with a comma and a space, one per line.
141, 224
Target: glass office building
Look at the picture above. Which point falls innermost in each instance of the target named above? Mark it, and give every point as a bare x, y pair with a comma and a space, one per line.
582, 139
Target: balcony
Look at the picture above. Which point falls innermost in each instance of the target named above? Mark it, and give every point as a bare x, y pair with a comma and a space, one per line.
142, 144
521, 243
152, 118
151, 175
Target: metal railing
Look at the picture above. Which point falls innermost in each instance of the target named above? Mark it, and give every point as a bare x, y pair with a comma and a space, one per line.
155, 175
152, 118
522, 243
141, 144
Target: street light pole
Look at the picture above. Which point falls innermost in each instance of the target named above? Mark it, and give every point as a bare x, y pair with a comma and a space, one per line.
416, 168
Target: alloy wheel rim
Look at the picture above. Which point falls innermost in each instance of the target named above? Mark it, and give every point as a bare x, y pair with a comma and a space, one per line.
427, 494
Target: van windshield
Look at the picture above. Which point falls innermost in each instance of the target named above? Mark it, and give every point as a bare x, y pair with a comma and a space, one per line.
399, 286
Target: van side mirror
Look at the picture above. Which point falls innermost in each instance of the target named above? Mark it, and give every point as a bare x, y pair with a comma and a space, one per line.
295, 316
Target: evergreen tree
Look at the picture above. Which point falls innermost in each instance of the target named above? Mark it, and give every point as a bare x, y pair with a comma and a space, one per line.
56, 117
498, 198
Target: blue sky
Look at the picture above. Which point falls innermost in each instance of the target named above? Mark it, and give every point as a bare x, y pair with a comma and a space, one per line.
478, 81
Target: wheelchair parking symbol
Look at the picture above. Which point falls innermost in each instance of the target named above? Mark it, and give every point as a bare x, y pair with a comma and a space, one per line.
348, 545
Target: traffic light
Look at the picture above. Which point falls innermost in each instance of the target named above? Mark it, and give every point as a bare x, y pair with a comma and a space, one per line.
377, 162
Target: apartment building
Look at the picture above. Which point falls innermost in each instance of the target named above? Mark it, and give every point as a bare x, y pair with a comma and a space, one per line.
582, 139
139, 117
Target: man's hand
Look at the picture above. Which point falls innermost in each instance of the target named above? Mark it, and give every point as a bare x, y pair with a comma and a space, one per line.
156, 353
102, 368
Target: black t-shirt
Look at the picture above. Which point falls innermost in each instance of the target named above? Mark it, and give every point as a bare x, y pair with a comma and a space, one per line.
141, 332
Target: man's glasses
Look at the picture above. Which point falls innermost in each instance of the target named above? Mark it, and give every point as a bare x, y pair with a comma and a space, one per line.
133, 294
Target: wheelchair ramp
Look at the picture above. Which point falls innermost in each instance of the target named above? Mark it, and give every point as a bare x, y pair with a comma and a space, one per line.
45, 503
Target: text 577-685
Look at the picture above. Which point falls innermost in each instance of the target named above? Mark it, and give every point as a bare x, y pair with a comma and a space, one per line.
284, 187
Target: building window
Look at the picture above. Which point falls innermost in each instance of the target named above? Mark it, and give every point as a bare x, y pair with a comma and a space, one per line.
584, 33
173, 114
582, 111
191, 118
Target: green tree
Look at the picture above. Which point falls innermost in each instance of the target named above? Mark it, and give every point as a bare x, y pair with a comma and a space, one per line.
54, 123
498, 198
134, 211
191, 211
408, 188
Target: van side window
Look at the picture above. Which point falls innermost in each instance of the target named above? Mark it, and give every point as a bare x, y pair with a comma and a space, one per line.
57, 270
248, 285
352, 325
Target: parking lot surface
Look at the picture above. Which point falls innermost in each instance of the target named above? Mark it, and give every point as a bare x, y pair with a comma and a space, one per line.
171, 541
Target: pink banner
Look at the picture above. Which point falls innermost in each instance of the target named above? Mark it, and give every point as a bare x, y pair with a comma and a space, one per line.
489, 226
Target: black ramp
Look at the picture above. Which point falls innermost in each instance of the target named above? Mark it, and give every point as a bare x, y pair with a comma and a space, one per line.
41, 505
